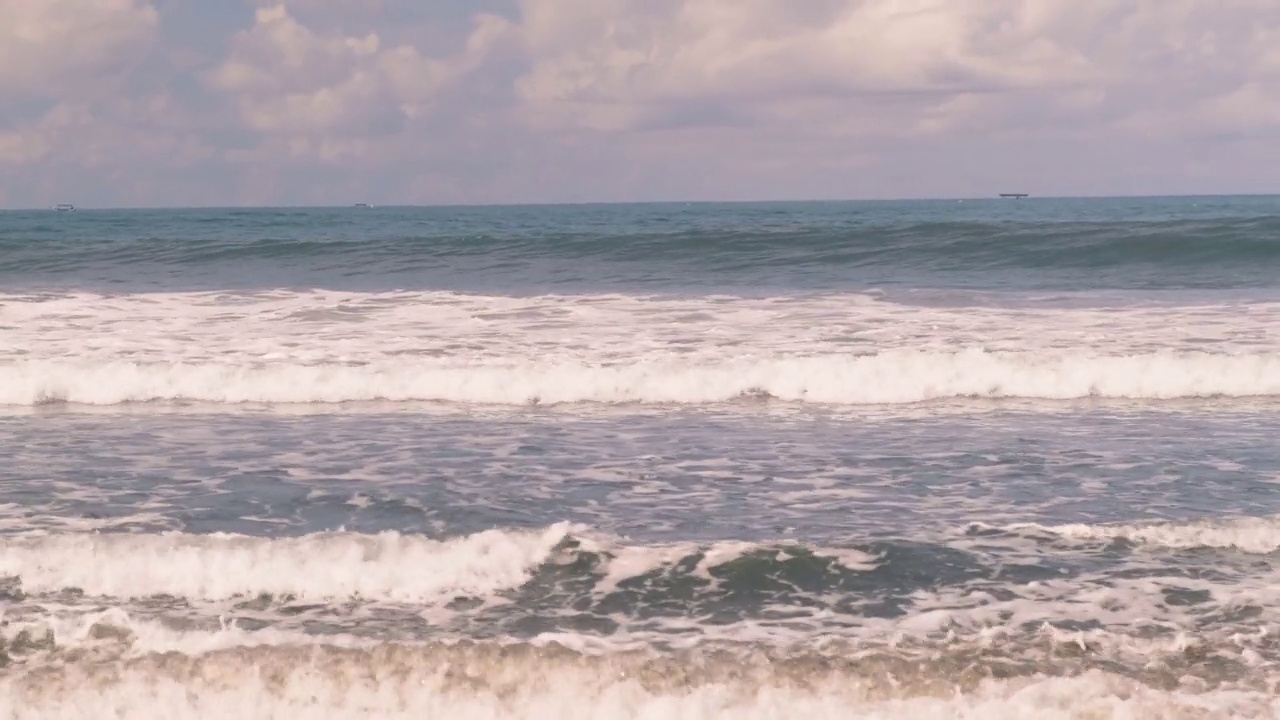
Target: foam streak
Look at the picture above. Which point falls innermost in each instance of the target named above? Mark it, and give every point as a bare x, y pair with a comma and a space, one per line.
890, 377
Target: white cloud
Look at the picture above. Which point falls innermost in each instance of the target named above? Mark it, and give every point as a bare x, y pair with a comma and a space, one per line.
627, 59
68, 59
1249, 107
118, 134
325, 100
891, 67
330, 92
53, 48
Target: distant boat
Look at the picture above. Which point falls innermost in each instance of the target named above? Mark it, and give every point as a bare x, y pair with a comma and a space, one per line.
64, 207
1015, 196
363, 205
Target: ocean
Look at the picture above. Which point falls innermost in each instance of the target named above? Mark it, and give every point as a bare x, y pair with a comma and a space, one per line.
929, 459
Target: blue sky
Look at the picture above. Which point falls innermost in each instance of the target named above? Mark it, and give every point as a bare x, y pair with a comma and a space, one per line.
236, 102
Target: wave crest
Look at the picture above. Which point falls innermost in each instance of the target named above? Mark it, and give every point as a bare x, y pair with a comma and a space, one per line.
890, 377
1253, 535
388, 566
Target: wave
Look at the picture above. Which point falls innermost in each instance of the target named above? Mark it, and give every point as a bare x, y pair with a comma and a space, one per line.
1254, 535
331, 566
736, 237
890, 377
492, 680
740, 245
120, 664
386, 567
524, 584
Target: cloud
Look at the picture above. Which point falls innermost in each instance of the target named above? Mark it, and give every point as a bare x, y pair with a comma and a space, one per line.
113, 135
332, 93
626, 62
56, 48
892, 67
66, 70
145, 101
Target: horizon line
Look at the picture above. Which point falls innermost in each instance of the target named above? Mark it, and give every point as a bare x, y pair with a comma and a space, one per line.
364, 205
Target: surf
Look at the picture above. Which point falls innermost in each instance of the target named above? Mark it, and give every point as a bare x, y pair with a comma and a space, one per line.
884, 378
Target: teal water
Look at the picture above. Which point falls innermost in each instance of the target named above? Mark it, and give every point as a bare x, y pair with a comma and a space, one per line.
1033, 244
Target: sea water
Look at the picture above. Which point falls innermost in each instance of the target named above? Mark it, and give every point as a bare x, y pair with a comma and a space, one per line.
980, 459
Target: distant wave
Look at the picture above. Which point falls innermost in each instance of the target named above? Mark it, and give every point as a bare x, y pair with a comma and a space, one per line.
849, 242
1224, 252
1254, 535
889, 377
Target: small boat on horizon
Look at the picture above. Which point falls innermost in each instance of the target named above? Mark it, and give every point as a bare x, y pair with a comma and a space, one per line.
64, 207
363, 205
1015, 196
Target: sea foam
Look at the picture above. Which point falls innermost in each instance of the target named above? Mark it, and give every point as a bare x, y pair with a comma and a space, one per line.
388, 566
397, 682
888, 377
289, 347
1253, 535
384, 567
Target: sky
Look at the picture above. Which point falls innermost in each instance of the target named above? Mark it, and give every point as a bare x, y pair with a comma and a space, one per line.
320, 102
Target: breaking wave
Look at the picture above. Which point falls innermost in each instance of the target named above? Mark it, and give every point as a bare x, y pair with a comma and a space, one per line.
889, 377
1253, 535
389, 566
386, 567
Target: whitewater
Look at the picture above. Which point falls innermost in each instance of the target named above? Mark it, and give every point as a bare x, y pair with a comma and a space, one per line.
304, 347
835, 460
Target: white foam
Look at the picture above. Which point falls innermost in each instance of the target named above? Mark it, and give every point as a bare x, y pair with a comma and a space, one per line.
389, 566
327, 347
114, 631
629, 561
142, 668
852, 559
385, 567
890, 377
308, 683
1258, 535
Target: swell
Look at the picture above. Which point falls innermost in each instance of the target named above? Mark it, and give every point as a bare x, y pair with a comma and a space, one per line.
1201, 252
887, 377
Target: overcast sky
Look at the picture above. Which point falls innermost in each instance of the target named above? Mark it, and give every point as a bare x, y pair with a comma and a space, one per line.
216, 102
